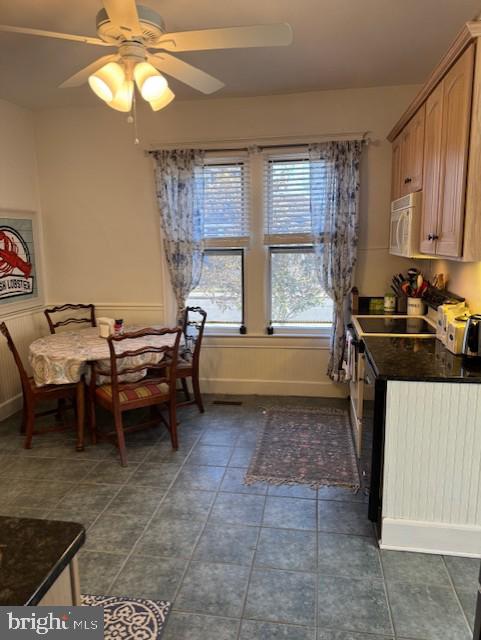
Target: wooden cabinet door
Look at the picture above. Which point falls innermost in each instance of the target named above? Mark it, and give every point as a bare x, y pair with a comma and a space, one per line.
457, 91
396, 169
431, 170
416, 151
412, 151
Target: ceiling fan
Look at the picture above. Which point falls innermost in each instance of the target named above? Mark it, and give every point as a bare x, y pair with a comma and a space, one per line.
135, 30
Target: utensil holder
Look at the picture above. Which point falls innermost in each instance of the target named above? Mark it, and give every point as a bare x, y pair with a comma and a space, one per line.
415, 307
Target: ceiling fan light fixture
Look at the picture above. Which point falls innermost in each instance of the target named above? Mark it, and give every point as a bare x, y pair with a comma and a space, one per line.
150, 82
106, 82
165, 99
122, 101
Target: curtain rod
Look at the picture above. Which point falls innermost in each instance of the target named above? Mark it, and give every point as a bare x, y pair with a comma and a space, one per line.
261, 144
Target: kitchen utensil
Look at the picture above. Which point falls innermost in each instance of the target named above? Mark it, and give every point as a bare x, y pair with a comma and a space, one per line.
472, 336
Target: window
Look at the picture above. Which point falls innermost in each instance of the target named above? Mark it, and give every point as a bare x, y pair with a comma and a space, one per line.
220, 291
226, 230
297, 301
259, 268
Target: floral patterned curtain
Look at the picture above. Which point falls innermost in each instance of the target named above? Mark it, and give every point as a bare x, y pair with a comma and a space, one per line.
179, 187
335, 175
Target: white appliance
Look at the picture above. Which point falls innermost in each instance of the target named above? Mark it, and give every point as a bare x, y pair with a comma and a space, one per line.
405, 226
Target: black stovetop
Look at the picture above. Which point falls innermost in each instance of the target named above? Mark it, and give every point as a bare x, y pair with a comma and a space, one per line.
388, 325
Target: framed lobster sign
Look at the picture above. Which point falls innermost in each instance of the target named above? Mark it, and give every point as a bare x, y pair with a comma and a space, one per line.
18, 259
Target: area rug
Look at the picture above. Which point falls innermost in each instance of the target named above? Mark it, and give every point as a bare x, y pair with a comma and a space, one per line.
128, 618
300, 445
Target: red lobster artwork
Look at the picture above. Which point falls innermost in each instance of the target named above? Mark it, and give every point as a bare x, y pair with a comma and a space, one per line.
9, 258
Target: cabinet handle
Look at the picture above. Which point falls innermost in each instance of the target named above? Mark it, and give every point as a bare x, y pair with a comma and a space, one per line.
432, 236
407, 180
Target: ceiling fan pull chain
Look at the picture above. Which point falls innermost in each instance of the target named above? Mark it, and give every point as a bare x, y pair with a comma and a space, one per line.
132, 119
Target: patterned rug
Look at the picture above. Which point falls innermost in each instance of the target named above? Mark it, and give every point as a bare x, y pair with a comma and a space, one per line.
128, 618
310, 446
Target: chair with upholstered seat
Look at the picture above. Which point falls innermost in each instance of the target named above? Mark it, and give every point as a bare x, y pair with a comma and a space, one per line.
189, 359
81, 314
33, 395
129, 389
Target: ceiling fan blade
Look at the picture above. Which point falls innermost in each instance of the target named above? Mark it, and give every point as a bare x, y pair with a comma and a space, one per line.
267, 35
185, 72
123, 15
82, 76
54, 34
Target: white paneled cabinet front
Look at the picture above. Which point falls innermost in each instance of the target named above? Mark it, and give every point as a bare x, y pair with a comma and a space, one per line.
432, 468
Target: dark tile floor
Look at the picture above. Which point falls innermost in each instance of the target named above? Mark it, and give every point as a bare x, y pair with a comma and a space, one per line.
238, 562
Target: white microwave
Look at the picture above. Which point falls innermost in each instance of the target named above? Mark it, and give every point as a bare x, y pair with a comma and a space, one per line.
405, 227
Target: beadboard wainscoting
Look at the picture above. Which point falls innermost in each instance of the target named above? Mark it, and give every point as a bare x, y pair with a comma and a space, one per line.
432, 483
267, 365
25, 326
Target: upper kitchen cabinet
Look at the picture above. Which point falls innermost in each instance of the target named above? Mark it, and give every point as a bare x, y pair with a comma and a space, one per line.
407, 149
448, 112
449, 107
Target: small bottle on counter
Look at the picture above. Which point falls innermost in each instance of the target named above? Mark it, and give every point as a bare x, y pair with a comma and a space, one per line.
389, 303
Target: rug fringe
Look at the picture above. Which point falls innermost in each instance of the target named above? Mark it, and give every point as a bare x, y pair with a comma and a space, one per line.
251, 479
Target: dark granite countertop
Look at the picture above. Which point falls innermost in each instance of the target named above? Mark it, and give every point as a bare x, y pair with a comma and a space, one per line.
33, 553
419, 359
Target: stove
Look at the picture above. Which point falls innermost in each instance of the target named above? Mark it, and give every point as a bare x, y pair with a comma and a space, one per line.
395, 326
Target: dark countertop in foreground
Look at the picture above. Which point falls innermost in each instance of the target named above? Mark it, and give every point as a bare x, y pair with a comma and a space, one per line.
419, 359
33, 553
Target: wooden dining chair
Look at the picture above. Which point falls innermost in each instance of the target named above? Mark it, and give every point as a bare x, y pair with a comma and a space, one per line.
189, 356
87, 309
132, 362
33, 395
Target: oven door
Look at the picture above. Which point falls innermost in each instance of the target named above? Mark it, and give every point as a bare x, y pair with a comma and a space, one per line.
367, 430
356, 388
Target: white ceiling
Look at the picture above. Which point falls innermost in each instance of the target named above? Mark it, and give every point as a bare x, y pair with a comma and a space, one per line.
337, 44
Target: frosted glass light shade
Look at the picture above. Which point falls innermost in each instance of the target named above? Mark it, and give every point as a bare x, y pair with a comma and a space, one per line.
166, 98
122, 100
150, 82
107, 81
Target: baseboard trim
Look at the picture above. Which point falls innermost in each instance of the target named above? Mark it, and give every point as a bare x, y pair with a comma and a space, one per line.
431, 537
10, 406
238, 386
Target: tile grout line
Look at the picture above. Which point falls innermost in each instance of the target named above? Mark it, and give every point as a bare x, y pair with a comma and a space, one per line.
386, 592
453, 587
251, 569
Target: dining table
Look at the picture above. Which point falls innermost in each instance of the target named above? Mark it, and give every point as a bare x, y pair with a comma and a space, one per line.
65, 358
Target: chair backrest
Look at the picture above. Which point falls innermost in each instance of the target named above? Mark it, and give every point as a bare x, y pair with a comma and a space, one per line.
133, 362
89, 310
193, 330
16, 355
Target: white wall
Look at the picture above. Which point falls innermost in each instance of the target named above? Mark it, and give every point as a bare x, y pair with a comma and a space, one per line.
463, 279
101, 221
18, 191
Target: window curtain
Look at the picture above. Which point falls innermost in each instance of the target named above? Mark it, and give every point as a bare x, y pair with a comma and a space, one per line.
179, 187
334, 166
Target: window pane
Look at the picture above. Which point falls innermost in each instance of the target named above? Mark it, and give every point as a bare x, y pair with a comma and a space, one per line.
290, 186
225, 201
220, 289
297, 296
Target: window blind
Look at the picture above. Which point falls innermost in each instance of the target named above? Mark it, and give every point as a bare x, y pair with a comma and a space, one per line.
226, 203
288, 192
